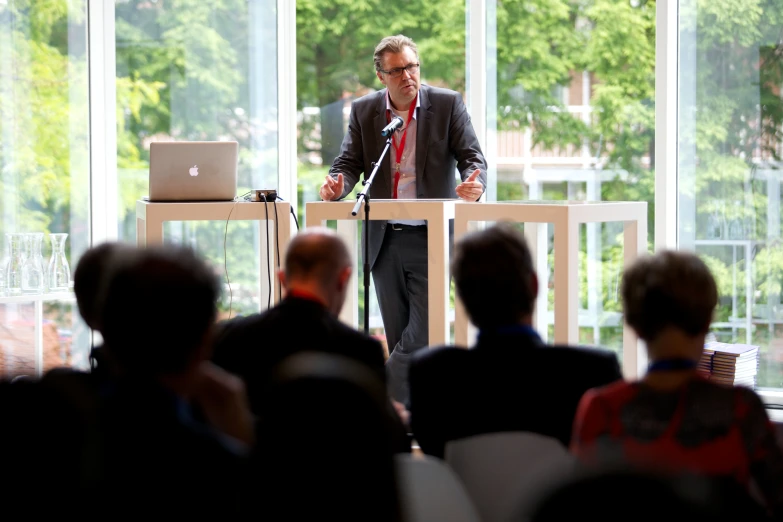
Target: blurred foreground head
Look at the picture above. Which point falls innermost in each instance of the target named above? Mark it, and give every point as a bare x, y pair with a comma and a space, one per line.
623, 493
327, 446
90, 276
159, 309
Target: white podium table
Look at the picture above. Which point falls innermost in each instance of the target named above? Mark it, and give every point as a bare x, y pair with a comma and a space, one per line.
566, 217
151, 216
437, 213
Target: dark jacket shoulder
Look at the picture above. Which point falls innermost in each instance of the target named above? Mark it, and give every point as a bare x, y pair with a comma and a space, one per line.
586, 354
439, 355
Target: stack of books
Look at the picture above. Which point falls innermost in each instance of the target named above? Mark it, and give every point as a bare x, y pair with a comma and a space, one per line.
730, 364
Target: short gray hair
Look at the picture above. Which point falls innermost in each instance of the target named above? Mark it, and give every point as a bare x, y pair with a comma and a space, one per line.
393, 44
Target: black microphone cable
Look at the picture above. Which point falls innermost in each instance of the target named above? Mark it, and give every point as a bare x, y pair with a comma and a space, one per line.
296, 221
277, 246
268, 261
225, 253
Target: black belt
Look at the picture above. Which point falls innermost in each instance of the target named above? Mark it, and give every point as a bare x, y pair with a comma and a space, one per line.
400, 227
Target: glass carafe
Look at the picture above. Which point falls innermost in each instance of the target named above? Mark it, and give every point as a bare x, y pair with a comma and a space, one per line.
32, 268
4, 269
58, 272
13, 270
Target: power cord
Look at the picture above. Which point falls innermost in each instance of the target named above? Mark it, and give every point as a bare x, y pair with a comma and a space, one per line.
277, 246
246, 197
292, 213
225, 253
268, 261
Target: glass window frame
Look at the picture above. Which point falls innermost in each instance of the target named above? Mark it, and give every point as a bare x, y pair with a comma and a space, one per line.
481, 93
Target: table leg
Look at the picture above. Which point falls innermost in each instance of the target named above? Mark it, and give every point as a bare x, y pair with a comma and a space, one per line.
348, 230
566, 281
634, 243
153, 231
38, 338
536, 236
141, 232
461, 322
284, 237
267, 276
438, 279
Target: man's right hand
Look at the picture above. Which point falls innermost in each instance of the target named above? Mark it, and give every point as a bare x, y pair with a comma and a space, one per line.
223, 400
332, 188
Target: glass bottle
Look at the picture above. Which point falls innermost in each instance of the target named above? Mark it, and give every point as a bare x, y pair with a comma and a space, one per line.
32, 268
3, 269
58, 272
13, 270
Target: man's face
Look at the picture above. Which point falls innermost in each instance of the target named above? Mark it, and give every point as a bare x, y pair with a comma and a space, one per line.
402, 89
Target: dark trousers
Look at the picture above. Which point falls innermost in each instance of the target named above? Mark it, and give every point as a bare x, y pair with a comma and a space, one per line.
400, 277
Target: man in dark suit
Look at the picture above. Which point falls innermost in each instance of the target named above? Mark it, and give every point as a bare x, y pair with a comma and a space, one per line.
510, 380
437, 137
316, 276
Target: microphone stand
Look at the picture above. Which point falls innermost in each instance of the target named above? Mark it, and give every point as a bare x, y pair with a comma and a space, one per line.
364, 195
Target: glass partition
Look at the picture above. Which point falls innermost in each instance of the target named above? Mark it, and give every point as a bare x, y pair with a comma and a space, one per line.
729, 172
200, 71
575, 121
44, 171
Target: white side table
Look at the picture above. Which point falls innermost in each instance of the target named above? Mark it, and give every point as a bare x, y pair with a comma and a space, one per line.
436, 212
566, 217
38, 301
151, 216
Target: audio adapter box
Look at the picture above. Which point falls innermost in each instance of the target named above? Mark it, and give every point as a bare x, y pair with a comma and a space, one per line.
268, 195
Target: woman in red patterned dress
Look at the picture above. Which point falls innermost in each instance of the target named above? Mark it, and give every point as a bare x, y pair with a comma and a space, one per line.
673, 419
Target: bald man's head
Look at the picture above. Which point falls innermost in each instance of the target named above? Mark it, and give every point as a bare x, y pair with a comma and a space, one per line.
318, 260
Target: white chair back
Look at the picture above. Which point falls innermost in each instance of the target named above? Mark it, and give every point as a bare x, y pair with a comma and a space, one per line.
431, 492
506, 474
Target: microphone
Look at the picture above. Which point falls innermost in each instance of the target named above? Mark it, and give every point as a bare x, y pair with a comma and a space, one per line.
395, 124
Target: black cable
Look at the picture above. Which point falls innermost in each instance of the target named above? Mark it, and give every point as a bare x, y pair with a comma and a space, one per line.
225, 255
268, 261
277, 245
292, 213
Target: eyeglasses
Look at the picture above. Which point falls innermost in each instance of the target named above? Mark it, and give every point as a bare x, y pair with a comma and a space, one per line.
412, 69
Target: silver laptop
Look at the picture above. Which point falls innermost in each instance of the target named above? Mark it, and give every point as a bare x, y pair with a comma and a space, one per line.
193, 170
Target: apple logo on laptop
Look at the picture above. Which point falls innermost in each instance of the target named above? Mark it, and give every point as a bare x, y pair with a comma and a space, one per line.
194, 170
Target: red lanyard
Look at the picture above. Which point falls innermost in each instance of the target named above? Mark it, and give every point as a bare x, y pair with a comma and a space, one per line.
399, 148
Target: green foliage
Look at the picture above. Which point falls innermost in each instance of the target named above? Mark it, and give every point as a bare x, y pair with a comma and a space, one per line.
42, 123
182, 74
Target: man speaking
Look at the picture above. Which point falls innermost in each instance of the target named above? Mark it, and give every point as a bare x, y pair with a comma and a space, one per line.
436, 137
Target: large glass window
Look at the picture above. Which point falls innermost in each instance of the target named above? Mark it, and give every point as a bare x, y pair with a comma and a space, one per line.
575, 121
335, 44
44, 170
190, 70
730, 131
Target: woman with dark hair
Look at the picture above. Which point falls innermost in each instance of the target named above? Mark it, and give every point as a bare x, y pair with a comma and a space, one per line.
326, 443
672, 419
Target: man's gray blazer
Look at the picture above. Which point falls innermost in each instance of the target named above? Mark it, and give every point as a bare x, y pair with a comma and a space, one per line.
445, 140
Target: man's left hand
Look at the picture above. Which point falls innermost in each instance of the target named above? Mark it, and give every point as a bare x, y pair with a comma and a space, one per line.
470, 189
223, 399
404, 414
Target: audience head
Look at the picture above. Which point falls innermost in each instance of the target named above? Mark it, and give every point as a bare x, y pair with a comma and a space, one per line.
625, 494
326, 447
159, 309
318, 261
494, 276
670, 293
90, 276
